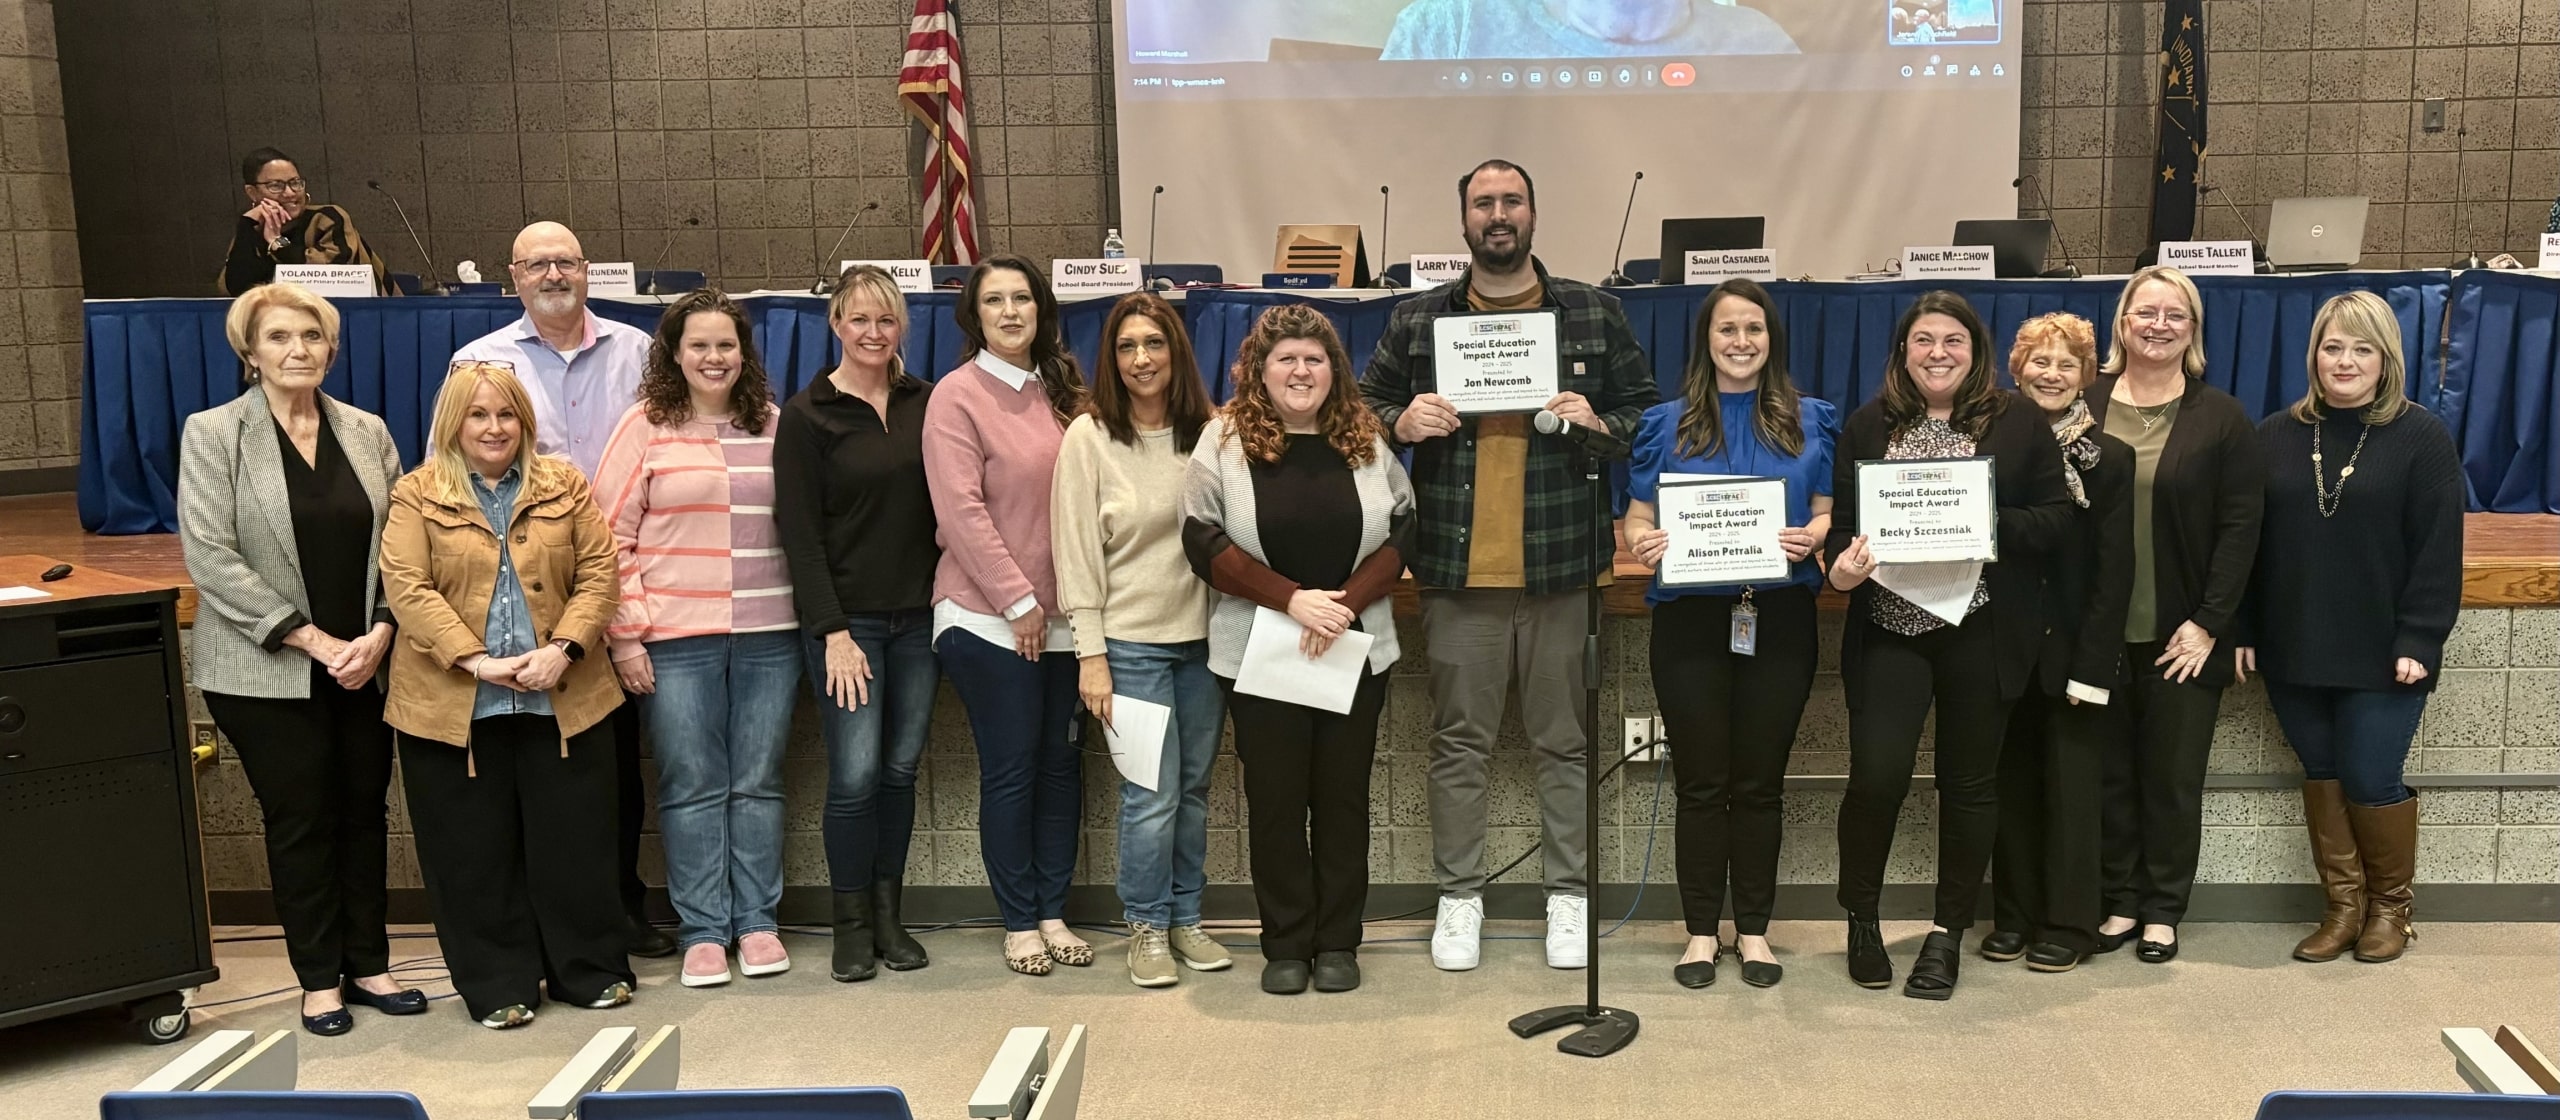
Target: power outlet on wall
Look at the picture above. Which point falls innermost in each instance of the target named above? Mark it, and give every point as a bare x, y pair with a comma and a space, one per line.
1643, 740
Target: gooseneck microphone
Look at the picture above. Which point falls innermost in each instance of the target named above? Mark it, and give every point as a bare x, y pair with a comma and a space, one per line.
826, 284
1599, 443
428, 284
2257, 246
658, 287
2070, 269
1152, 203
1617, 277
1385, 197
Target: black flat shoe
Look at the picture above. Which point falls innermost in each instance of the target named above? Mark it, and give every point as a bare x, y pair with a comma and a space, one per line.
2154, 952
1284, 978
1933, 976
406, 1001
2110, 942
1336, 971
2045, 956
1763, 974
2003, 945
1868, 966
1695, 974
329, 1024
640, 939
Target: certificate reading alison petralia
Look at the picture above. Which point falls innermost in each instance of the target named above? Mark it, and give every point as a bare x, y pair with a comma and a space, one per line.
1496, 362
1927, 510
1722, 531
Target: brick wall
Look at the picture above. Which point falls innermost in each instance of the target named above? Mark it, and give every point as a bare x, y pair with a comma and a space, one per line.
39, 257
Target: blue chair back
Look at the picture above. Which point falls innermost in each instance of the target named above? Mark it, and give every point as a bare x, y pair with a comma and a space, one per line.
1400, 274
870, 1102
2294, 1104
1187, 273
951, 274
260, 1106
1643, 270
483, 288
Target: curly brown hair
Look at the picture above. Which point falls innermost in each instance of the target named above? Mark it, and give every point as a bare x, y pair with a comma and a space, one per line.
1346, 421
662, 384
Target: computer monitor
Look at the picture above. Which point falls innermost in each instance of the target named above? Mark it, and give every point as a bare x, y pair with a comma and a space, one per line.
2017, 244
1679, 235
2316, 234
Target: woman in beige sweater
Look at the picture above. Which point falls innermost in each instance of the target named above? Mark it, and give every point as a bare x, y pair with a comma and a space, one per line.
1141, 619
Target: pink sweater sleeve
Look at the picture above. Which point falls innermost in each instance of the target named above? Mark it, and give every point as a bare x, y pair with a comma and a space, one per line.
622, 482
956, 466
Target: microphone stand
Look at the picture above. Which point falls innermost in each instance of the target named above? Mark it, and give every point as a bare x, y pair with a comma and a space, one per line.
826, 284
2070, 269
658, 287
2257, 248
1152, 204
1384, 198
1617, 277
428, 284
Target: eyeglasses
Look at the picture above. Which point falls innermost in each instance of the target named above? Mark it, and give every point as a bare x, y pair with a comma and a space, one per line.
474, 363
2172, 316
563, 265
279, 187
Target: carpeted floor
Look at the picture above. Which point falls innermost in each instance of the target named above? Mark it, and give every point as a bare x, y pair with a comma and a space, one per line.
2204, 1036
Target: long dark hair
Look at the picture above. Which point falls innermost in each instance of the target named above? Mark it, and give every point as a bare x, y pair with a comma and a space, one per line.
1186, 402
1348, 424
662, 385
1049, 356
1778, 417
1978, 397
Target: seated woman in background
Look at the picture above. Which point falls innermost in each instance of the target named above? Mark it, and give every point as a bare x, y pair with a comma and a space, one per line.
283, 226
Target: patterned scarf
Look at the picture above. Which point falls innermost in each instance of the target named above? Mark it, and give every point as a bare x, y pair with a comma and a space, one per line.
2079, 453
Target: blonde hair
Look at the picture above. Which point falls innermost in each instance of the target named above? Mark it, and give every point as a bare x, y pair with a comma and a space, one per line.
2195, 318
450, 477
2364, 316
874, 281
240, 323
2056, 328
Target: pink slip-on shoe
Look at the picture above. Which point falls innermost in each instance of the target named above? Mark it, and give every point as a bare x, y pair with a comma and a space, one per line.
706, 965
762, 954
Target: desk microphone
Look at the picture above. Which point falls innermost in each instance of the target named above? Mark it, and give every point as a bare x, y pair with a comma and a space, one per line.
657, 264
1152, 203
2257, 248
428, 285
1617, 277
2070, 270
826, 284
1384, 197
1599, 443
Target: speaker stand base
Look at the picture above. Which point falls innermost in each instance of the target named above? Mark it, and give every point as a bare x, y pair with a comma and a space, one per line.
1604, 1030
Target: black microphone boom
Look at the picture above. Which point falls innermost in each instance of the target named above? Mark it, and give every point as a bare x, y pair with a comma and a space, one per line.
1384, 199
2070, 269
1152, 203
826, 284
1617, 277
1599, 443
428, 285
2256, 246
657, 287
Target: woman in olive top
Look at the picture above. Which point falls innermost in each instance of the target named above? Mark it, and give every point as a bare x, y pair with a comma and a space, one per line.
2351, 605
2198, 483
283, 226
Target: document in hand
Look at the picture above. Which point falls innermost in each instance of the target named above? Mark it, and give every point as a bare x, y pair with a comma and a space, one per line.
1136, 738
1275, 670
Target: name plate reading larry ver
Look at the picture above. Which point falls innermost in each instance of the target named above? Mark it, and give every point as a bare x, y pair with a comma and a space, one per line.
1498, 362
1434, 269
335, 281
2208, 258
1723, 531
912, 275
1956, 261
613, 278
1918, 511
1097, 276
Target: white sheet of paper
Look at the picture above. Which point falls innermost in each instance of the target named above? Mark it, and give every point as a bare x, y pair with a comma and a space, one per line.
1136, 737
1941, 588
1274, 669
21, 591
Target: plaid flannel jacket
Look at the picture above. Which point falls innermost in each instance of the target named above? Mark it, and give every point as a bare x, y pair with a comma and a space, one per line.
1568, 543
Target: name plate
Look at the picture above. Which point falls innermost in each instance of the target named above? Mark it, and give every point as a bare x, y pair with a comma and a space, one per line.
1919, 511
1715, 266
1499, 362
615, 279
335, 281
1723, 531
1438, 268
2208, 258
1096, 276
1297, 280
2550, 253
1956, 261
912, 276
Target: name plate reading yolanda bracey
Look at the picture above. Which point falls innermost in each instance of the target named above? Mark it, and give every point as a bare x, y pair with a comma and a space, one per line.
1096, 276
1917, 511
334, 281
2208, 258
1948, 261
1502, 362
912, 276
1722, 532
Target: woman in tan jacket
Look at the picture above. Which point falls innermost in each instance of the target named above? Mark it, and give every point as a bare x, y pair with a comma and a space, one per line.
500, 571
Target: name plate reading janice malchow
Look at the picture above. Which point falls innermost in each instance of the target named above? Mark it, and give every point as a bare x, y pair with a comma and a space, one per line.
1960, 261
1915, 511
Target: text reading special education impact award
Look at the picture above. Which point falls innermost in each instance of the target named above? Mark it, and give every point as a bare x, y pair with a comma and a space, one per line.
1723, 531
1926, 510
1503, 362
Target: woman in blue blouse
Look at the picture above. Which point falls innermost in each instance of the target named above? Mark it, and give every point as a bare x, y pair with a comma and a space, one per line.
1732, 664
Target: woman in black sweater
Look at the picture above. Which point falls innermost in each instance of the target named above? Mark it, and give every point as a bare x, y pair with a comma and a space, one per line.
1898, 659
2365, 497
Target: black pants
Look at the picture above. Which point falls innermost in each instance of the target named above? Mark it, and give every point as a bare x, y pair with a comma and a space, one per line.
1731, 720
630, 805
518, 860
1956, 667
1306, 792
321, 768
2044, 869
2154, 775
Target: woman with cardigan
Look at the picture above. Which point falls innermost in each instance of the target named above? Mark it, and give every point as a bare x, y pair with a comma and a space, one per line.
1899, 659
2198, 483
991, 438
2350, 612
1294, 504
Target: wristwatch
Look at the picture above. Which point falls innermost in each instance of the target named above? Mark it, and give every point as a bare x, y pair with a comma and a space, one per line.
573, 649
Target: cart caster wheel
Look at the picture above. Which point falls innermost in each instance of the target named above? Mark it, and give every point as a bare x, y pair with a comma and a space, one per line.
161, 1030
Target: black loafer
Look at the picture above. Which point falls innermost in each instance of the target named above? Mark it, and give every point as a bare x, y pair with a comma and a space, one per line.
1695, 974
1284, 978
2003, 945
2154, 952
1763, 974
406, 1001
2045, 956
1337, 971
644, 940
1933, 976
329, 1023
1869, 967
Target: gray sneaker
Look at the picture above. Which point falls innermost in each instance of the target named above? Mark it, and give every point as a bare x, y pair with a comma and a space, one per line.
1151, 958
1199, 950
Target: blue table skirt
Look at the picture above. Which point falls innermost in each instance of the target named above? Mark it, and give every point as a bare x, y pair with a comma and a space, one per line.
151, 363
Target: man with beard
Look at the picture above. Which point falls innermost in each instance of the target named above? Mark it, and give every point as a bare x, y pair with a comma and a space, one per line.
583, 373
1507, 542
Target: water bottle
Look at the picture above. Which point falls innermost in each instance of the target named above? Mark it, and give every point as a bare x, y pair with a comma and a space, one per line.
1112, 247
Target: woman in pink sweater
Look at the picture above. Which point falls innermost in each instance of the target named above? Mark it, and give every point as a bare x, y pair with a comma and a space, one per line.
705, 634
991, 436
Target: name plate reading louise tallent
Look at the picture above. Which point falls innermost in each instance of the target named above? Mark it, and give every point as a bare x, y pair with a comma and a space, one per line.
1499, 362
1917, 511
1723, 531
2208, 258
335, 281
1096, 276
1948, 261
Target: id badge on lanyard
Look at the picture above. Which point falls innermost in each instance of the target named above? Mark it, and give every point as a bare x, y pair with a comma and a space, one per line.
1746, 626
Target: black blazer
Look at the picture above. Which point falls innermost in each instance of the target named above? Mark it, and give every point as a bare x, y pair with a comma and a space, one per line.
2207, 497
2035, 518
2090, 578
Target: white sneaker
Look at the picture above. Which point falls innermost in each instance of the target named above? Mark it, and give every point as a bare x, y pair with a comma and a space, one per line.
1566, 914
1456, 941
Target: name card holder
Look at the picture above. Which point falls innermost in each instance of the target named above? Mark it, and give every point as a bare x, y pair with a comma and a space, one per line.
611, 279
1948, 262
332, 281
1715, 266
1430, 269
912, 275
1096, 276
2209, 258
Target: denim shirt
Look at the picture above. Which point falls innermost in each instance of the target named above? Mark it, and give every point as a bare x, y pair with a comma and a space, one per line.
510, 625
1807, 474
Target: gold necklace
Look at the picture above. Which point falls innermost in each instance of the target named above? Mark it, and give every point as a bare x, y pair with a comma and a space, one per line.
2321, 496
2151, 417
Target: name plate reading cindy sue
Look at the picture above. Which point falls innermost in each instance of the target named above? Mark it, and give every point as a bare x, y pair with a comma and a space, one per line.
1722, 532
1917, 511
1501, 362
1095, 276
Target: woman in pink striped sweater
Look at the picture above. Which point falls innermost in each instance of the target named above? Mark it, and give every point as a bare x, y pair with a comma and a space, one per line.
705, 635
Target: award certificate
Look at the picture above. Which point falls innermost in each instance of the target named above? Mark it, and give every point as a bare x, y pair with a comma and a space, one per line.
1500, 362
1927, 510
1723, 531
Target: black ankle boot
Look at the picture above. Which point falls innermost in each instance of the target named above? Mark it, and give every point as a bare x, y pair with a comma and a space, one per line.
853, 958
1868, 966
1933, 976
898, 950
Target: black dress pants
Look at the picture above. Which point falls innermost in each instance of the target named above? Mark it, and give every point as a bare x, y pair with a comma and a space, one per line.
2044, 869
630, 805
518, 860
1306, 792
2154, 787
321, 768
1731, 720
1956, 667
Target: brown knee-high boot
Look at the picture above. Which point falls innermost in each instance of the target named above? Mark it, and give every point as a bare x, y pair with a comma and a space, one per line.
2333, 852
2387, 838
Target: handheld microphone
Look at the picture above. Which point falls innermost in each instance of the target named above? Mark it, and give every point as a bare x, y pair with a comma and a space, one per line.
1152, 204
2257, 247
2070, 269
1384, 198
428, 285
1617, 277
826, 284
657, 287
1597, 443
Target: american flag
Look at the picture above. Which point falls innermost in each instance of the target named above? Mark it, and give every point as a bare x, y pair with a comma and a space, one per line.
930, 84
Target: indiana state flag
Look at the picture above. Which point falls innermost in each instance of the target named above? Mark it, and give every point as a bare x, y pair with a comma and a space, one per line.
2180, 145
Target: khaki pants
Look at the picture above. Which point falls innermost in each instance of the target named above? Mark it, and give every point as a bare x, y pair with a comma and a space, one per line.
1484, 642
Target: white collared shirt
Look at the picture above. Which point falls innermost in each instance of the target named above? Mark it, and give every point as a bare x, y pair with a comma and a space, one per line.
1013, 376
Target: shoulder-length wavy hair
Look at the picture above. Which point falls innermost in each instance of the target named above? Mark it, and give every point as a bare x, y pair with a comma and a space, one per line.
1186, 401
1346, 421
449, 477
2075, 335
874, 281
662, 385
1049, 356
1978, 397
2358, 315
1778, 417
2194, 358
240, 324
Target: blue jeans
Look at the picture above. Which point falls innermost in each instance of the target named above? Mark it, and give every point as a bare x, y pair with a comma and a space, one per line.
717, 722
1164, 832
873, 750
1026, 720
2360, 737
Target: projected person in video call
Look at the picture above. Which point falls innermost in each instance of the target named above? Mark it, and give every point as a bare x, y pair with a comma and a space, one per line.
1429, 29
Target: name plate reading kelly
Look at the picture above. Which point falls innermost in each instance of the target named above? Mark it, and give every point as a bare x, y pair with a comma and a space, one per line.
1958, 261
2550, 253
1502, 362
1096, 276
1917, 511
1715, 266
615, 279
1722, 532
912, 276
2208, 258
334, 281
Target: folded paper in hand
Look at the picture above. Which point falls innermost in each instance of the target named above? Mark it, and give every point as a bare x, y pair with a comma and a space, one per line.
1274, 669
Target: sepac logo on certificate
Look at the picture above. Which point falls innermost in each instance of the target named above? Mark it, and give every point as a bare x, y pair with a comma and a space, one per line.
1924, 474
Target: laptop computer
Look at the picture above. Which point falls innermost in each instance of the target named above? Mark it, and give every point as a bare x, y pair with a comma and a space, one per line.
2017, 244
1679, 235
2316, 234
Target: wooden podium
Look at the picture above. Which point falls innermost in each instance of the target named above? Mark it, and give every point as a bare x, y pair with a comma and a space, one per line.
1328, 250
